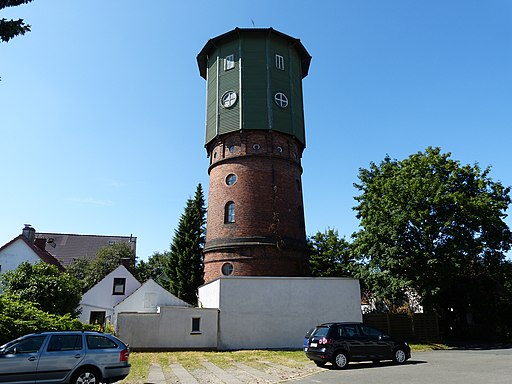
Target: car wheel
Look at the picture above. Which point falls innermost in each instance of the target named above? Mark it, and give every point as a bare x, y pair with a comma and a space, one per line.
320, 363
86, 376
399, 356
340, 360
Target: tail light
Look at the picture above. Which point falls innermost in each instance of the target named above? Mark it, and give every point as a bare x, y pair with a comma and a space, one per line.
123, 356
324, 340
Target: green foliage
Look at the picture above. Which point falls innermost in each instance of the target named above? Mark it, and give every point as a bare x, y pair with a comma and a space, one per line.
330, 255
12, 28
19, 317
433, 226
107, 259
184, 266
53, 291
153, 268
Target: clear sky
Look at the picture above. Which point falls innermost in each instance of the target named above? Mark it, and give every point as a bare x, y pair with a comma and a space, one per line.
102, 109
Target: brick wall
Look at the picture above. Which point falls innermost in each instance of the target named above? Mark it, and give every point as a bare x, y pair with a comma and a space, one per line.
268, 236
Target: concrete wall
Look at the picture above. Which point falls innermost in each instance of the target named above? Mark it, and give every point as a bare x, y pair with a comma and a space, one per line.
276, 312
169, 329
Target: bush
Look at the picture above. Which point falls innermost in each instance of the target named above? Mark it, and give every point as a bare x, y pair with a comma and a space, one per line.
19, 317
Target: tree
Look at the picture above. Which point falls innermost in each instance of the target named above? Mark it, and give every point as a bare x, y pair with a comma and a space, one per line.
107, 259
12, 28
53, 291
153, 268
434, 227
330, 255
184, 266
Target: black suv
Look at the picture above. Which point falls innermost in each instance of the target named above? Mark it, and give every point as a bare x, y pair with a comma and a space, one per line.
76, 357
340, 343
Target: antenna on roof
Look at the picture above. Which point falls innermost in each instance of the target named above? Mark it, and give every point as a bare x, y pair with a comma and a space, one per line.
252, 21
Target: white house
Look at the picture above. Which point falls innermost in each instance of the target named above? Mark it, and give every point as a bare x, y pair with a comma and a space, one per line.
148, 298
97, 304
24, 248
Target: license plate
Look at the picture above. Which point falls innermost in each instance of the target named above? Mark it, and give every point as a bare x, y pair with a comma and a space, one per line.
313, 345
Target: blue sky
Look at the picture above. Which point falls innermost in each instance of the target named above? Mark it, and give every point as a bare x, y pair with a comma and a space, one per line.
102, 108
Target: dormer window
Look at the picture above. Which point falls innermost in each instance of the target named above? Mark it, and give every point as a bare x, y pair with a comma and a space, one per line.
280, 62
119, 286
229, 62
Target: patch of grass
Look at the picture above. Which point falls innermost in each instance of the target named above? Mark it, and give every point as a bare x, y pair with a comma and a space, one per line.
427, 347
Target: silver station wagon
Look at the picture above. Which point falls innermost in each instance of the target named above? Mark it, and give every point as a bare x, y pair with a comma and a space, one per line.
75, 357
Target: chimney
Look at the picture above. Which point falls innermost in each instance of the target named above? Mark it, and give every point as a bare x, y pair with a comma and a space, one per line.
127, 263
29, 233
40, 243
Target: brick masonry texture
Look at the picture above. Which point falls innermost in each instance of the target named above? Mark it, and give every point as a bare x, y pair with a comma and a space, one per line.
268, 237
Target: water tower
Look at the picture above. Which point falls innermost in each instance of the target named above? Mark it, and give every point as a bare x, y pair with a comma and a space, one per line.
254, 139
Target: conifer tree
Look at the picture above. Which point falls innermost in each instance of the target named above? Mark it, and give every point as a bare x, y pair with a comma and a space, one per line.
184, 266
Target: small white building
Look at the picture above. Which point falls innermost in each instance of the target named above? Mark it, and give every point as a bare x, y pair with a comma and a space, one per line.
97, 304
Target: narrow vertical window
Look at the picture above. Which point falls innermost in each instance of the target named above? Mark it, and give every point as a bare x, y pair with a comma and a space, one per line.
229, 214
229, 62
196, 325
279, 62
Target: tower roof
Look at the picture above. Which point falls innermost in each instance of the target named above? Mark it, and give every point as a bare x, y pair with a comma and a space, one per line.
202, 57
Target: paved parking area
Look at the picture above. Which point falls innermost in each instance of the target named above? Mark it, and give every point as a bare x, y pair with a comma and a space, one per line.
491, 366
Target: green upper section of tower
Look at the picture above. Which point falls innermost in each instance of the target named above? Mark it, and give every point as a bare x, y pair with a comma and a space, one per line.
254, 82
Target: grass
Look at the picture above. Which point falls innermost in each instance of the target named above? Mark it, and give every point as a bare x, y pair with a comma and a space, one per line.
191, 360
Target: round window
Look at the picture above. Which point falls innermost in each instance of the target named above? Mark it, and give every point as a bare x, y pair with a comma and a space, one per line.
281, 99
231, 179
232, 148
228, 99
280, 149
256, 147
227, 269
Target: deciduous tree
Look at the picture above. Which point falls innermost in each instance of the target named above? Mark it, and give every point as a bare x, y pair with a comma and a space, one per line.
53, 291
330, 255
434, 226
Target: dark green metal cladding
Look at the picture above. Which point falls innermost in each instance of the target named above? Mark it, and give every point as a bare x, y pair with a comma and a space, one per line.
255, 78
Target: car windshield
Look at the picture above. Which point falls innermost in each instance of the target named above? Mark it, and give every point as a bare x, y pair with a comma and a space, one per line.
321, 332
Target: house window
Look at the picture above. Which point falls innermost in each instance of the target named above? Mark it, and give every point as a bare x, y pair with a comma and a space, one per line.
229, 212
119, 286
229, 62
97, 317
196, 325
280, 62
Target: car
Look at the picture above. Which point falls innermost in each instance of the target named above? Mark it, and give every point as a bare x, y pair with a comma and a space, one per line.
306, 339
341, 343
69, 357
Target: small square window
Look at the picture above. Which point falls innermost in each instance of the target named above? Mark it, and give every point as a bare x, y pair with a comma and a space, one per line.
196, 325
280, 62
119, 286
229, 62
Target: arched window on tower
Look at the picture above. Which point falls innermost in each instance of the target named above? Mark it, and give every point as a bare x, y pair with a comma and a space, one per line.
229, 212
